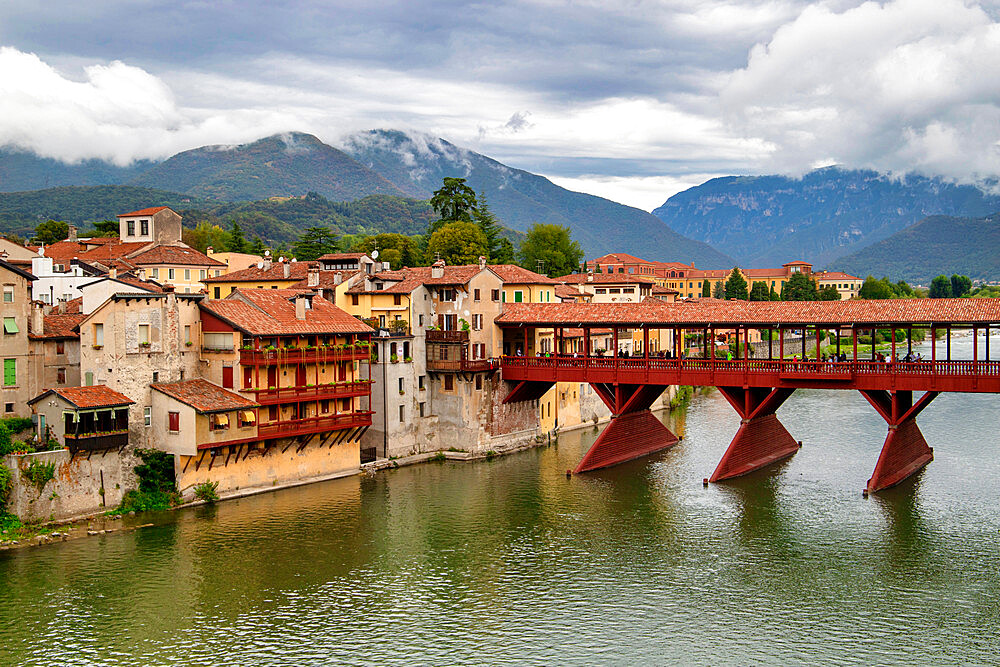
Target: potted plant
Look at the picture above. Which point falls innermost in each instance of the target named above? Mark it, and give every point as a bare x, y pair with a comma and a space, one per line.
408, 360
144, 345
393, 358
188, 344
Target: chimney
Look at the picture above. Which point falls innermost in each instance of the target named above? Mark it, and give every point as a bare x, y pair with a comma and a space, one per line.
313, 277
168, 288
482, 262
286, 269
209, 251
267, 260
72, 233
437, 269
580, 288
338, 278
113, 273
301, 306
37, 318
590, 277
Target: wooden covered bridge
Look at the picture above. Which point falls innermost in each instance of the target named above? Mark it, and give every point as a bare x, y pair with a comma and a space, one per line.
631, 352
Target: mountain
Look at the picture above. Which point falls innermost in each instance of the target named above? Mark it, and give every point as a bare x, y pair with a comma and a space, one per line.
765, 221
281, 165
20, 171
417, 164
20, 212
935, 245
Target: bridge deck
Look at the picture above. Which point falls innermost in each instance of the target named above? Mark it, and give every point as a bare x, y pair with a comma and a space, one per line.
963, 376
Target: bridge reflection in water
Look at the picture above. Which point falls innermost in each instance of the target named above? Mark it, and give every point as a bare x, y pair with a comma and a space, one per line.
648, 353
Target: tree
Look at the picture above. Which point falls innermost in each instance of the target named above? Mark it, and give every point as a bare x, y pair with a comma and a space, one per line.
829, 293
706, 288
51, 231
505, 253
960, 285
237, 242
553, 245
103, 229
774, 296
313, 243
718, 290
257, 247
585, 269
736, 285
799, 288
759, 291
940, 288
457, 243
204, 235
454, 201
491, 229
397, 249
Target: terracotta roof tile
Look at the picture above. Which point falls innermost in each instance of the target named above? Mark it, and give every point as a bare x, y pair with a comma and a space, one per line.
173, 254
97, 396
716, 312
327, 280
144, 211
204, 396
60, 325
511, 273
271, 312
333, 256
296, 271
606, 279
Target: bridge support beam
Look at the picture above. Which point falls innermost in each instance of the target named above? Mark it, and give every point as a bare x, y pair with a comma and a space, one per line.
905, 450
762, 439
633, 431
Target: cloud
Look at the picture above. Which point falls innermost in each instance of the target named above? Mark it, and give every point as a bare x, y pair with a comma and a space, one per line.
904, 85
116, 113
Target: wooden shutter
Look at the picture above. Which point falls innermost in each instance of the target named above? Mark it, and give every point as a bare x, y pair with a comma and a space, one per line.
174, 421
227, 377
9, 372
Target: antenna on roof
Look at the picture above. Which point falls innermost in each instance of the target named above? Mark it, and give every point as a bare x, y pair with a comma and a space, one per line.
540, 263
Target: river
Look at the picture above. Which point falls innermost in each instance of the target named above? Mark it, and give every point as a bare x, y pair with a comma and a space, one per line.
510, 562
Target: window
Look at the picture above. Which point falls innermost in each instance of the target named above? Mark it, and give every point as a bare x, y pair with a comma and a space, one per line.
400, 385
406, 349
147, 416
218, 272
9, 325
477, 321
479, 381
187, 274
10, 372
420, 319
495, 295
214, 340
170, 274
88, 379
60, 347
600, 290
156, 376
420, 381
354, 299
447, 295
155, 273
201, 274
143, 334
475, 295
130, 228
324, 406
8, 407
246, 418
60, 376
614, 290
518, 296
218, 422
397, 299
449, 382
422, 408
401, 414
187, 334
8, 294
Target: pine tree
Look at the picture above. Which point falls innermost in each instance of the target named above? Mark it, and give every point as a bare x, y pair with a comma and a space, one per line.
759, 291
718, 290
706, 289
237, 243
736, 285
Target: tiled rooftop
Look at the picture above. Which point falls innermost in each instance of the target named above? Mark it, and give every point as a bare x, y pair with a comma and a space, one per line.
97, 396
145, 211
174, 254
271, 312
296, 271
204, 396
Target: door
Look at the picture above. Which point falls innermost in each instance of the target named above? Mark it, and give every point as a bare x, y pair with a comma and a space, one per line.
247, 377
272, 376
300, 375
227, 377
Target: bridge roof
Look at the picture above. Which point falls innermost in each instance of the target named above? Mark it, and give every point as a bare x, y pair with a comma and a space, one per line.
763, 314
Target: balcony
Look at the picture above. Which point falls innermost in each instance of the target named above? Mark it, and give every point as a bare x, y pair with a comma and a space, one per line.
462, 365
303, 355
290, 428
438, 336
317, 393
103, 441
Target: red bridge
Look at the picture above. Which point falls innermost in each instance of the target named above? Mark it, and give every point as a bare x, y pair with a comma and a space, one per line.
649, 347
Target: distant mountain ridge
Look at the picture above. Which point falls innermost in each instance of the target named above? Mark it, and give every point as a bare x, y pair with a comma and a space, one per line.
417, 164
381, 162
827, 214
935, 245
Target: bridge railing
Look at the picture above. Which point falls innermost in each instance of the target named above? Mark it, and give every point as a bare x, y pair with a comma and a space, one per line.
825, 369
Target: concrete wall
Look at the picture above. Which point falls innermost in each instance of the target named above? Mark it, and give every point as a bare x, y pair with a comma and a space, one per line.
262, 470
75, 490
17, 347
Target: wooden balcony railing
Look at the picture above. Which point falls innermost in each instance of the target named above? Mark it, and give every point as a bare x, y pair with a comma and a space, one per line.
97, 442
294, 427
462, 365
316, 393
438, 336
298, 355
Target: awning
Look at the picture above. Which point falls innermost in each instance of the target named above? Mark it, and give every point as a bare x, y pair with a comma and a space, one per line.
9, 325
221, 420
248, 416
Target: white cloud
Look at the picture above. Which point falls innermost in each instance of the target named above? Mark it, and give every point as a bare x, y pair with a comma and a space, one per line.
645, 192
908, 84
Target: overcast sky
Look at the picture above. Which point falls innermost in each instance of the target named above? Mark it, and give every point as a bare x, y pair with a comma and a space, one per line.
632, 100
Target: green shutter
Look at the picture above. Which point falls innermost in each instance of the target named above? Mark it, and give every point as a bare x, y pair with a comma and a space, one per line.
9, 325
9, 372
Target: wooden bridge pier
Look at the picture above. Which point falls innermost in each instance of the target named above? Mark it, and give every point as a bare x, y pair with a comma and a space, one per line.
905, 450
761, 439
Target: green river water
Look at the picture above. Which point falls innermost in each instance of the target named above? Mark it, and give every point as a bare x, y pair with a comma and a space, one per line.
510, 562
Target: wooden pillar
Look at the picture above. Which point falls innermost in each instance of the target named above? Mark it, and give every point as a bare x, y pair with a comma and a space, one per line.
933, 344
770, 344
781, 343
838, 342
645, 341
873, 342
892, 337
746, 343
711, 347
987, 342
525, 341
817, 343
975, 344
804, 331
614, 341
854, 336
947, 336
909, 340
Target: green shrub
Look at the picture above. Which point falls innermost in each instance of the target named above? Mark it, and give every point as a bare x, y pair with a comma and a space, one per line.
16, 424
207, 491
156, 473
39, 473
139, 501
6, 484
